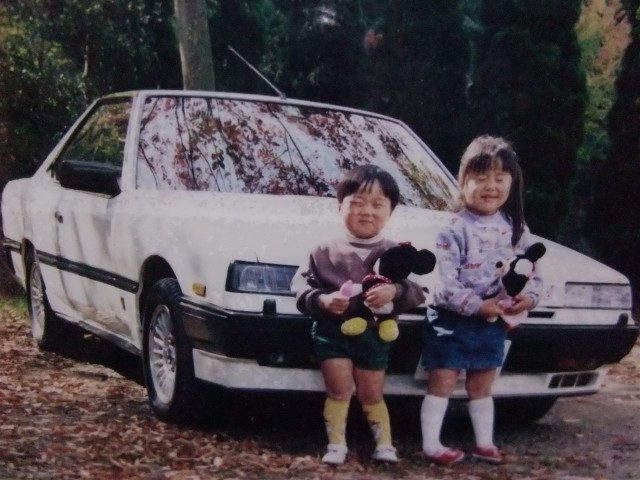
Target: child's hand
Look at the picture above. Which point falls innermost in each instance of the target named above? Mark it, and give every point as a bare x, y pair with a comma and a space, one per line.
379, 295
490, 308
520, 304
335, 302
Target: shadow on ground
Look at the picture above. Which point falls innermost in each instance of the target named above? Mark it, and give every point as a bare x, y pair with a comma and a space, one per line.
285, 418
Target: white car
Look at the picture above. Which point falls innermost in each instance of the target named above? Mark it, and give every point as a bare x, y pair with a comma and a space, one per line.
171, 222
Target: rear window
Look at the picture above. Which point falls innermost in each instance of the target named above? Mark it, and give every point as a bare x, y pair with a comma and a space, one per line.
226, 145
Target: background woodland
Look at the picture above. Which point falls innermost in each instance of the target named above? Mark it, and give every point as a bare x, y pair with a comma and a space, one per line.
559, 78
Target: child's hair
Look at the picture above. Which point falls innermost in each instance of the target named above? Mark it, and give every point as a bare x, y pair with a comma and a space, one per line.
363, 177
487, 153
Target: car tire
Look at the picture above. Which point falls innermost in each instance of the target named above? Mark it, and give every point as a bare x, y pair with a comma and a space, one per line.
522, 411
173, 391
47, 330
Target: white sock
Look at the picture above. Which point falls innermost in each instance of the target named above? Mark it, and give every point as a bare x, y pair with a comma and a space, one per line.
431, 418
481, 412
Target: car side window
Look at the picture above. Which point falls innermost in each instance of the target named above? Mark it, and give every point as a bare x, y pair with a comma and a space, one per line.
92, 160
101, 138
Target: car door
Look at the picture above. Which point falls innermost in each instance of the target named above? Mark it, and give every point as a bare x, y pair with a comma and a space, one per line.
84, 217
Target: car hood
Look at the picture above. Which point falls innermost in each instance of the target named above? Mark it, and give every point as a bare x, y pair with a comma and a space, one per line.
282, 229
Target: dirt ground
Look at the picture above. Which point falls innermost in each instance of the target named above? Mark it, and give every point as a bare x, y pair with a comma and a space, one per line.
84, 414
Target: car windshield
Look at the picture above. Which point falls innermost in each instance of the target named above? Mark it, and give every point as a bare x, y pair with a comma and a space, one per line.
231, 145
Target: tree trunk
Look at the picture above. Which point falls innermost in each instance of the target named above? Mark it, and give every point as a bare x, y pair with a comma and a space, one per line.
195, 45
8, 285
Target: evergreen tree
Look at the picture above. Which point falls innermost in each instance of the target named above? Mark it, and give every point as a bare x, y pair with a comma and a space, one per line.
529, 87
418, 73
614, 224
237, 24
117, 44
603, 33
322, 50
271, 20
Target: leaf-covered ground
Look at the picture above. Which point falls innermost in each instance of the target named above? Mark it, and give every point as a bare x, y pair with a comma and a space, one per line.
84, 414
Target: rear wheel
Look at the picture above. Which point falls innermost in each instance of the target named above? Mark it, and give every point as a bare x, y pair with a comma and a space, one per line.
168, 362
522, 411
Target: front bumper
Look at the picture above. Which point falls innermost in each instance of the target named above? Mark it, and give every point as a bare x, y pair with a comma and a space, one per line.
244, 374
270, 339
273, 351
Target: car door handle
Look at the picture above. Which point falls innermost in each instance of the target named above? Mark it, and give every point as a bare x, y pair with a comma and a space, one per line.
58, 216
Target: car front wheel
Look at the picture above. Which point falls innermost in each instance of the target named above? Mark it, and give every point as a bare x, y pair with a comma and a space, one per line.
168, 363
45, 327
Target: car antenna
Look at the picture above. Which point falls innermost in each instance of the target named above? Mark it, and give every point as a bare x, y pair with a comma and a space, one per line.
281, 94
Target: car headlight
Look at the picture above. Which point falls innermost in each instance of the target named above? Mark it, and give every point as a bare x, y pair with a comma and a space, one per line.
253, 277
597, 295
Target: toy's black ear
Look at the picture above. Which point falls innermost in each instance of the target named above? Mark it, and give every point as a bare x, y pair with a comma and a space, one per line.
535, 251
424, 262
395, 263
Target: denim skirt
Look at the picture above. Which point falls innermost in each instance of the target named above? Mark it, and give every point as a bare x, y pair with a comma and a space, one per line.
460, 342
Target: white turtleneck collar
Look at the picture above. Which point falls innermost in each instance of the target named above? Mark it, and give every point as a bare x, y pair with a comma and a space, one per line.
363, 241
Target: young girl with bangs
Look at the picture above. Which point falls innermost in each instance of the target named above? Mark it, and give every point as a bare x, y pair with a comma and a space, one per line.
459, 333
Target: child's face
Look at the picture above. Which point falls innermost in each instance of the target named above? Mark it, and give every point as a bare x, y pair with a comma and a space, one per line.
365, 213
485, 193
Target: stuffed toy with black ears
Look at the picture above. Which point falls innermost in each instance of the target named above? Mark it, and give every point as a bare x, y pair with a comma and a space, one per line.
514, 275
394, 266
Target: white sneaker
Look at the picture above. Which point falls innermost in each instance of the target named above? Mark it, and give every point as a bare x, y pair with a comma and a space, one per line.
336, 454
385, 453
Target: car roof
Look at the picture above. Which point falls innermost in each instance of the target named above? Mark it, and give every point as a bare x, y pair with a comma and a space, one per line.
244, 96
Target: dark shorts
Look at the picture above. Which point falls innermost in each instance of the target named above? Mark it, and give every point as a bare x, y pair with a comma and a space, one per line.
458, 342
367, 351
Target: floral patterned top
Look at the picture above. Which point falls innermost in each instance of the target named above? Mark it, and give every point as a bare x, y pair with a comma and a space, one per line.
467, 251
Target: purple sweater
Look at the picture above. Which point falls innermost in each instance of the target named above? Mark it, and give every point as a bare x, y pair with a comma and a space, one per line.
467, 251
333, 263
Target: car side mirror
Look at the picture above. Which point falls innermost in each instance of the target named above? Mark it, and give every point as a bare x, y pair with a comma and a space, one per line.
90, 176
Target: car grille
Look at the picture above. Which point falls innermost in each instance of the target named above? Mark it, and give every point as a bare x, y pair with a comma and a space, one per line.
570, 380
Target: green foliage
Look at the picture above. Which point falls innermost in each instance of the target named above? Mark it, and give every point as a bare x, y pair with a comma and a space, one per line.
529, 87
117, 43
603, 35
272, 20
40, 92
614, 224
322, 48
13, 303
235, 23
56, 56
416, 76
